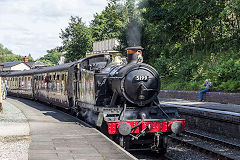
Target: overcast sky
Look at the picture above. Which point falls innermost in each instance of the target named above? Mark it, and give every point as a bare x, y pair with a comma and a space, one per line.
33, 26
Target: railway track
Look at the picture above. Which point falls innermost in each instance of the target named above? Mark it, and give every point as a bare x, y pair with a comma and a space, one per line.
210, 146
211, 139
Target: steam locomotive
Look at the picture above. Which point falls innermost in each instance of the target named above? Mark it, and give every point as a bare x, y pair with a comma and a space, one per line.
117, 95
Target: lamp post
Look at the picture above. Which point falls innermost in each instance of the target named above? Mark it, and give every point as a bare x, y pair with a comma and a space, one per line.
1, 69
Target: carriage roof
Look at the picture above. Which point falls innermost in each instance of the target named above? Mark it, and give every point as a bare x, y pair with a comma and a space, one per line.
56, 68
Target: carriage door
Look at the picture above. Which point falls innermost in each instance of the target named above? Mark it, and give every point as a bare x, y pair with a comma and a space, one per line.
77, 81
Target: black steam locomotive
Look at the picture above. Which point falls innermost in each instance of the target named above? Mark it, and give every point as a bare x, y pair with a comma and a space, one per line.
117, 95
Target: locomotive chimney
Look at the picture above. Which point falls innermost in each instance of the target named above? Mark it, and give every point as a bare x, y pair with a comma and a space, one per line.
134, 54
25, 59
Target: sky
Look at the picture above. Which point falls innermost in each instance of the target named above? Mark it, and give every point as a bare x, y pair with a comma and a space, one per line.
33, 26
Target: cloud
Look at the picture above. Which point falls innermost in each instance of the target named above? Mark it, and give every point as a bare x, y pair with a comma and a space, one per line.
33, 26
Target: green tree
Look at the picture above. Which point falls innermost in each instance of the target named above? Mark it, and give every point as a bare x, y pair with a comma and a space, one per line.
118, 20
180, 38
77, 39
7, 55
186, 41
109, 23
51, 58
30, 58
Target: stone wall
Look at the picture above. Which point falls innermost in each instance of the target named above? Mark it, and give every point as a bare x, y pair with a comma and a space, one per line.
220, 97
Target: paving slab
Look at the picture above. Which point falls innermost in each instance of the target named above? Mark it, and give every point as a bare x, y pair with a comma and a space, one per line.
57, 135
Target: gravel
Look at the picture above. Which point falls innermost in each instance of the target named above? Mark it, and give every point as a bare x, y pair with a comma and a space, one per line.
177, 151
14, 148
181, 152
14, 133
219, 148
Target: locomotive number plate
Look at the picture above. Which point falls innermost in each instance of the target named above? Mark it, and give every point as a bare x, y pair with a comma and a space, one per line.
141, 78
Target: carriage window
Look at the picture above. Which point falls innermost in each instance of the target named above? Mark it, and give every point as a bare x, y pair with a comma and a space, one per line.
54, 77
63, 76
58, 77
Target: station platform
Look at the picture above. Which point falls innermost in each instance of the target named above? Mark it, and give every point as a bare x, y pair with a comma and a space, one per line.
207, 105
208, 117
55, 135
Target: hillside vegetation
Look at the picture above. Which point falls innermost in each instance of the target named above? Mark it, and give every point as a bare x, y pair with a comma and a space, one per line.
7, 55
186, 41
190, 41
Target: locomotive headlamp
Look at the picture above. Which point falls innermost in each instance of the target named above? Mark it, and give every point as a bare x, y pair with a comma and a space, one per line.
176, 127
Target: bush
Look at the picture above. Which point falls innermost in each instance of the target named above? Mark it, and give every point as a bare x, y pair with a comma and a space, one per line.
186, 73
163, 66
225, 75
230, 86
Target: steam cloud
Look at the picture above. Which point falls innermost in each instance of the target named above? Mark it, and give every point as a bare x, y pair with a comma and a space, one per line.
134, 34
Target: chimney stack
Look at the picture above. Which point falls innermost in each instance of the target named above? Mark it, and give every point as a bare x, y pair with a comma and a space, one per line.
25, 59
134, 54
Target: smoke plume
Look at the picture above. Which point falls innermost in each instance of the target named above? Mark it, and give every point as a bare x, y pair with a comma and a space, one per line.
134, 34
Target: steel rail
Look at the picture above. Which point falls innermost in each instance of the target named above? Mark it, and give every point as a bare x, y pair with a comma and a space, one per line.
201, 149
211, 139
